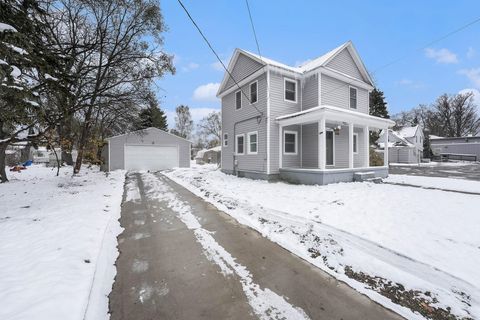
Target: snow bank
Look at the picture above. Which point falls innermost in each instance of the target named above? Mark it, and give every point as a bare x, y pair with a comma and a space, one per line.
58, 243
6, 27
436, 182
425, 240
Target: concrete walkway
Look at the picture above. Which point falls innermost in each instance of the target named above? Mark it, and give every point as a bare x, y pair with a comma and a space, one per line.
167, 271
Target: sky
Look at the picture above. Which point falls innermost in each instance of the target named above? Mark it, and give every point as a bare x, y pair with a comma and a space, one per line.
294, 32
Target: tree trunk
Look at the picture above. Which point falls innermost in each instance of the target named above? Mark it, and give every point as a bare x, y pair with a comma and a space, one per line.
3, 173
83, 140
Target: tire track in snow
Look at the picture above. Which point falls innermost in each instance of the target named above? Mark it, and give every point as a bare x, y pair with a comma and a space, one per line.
265, 303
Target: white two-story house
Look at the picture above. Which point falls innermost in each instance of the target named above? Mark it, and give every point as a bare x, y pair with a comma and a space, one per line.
305, 124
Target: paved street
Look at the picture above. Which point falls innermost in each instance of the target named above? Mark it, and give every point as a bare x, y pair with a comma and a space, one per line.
165, 270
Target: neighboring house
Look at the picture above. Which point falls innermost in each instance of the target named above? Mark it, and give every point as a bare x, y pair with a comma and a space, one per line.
148, 149
305, 124
457, 148
212, 155
404, 145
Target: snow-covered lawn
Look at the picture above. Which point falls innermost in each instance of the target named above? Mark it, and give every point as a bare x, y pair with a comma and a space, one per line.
58, 243
436, 182
406, 248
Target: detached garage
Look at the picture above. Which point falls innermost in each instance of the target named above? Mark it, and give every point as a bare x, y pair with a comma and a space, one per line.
149, 149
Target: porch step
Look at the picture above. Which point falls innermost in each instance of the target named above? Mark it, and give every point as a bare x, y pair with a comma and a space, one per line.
363, 176
375, 180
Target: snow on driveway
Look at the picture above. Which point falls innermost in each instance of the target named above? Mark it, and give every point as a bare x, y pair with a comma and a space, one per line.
58, 243
404, 247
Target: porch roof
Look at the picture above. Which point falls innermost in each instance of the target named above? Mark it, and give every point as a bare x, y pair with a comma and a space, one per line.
333, 113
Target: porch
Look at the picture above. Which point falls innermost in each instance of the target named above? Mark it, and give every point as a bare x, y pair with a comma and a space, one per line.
328, 144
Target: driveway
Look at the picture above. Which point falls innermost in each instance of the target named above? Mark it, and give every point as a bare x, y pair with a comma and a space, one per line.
181, 258
445, 170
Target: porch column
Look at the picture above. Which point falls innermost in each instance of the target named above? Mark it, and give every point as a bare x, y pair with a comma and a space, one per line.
366, 143
322, 143
350, 145
280, 146
385, 149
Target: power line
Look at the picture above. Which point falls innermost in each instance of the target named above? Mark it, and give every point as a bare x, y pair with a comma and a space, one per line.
463, 27
253, 28
216, 55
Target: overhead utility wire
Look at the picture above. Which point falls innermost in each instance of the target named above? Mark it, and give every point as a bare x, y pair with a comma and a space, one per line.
216, 55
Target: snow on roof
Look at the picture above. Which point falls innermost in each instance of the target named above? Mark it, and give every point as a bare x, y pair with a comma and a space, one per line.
5, 27
408, 132
315, 63
434, 137
393, 135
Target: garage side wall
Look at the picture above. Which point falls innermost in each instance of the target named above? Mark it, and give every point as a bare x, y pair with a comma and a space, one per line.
147, 137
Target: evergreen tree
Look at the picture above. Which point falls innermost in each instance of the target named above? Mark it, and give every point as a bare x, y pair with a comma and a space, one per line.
378, 108
152, 116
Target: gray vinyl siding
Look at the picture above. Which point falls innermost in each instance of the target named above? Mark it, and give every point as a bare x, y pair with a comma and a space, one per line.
246, 119
341, 147
146, 137
466, 145
344, 63
310, 92
278, 107
401, 155
244, 67
310, 145
358, 159
336, 93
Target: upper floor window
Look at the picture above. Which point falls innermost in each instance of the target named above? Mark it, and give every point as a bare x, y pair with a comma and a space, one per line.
253, 92
290, 142
225, 139
290, 90
353, 98
238, 99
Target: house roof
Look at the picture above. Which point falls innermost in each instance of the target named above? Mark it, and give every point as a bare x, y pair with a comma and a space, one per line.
408, 132
202, 152
321, 61
150, 128
400, 139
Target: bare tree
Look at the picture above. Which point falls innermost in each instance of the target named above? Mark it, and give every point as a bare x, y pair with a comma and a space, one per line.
458, 115
210, 128
183, 122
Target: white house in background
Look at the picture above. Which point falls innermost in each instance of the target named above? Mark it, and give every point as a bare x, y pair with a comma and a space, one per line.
404, 145
307, 124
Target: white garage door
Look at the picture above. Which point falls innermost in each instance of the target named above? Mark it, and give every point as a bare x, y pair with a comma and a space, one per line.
150, 157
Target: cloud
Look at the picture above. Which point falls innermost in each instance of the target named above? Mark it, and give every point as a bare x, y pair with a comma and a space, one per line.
218, 66
191, 66
471, 53
473, 75
441, 55
206, 92
476, 96
410, 83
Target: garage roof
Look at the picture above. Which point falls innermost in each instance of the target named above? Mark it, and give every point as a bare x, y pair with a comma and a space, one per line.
151, 128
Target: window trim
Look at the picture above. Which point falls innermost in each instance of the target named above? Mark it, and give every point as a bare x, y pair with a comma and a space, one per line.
241, 104
225, 141
355, 137
285, 79
350, 97
248, 142
236, 144
296, 142
250, 91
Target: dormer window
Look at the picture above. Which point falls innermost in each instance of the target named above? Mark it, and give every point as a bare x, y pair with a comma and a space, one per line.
353, 98
238, 99
290, 90
253, 92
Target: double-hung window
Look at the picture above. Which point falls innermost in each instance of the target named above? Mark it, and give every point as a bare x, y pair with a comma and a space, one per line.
238, 99
290, 142
240, 145
253, 92
353, 98
252, 140
290, 90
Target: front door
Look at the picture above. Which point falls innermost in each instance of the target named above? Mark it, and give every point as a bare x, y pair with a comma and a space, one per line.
330, 147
